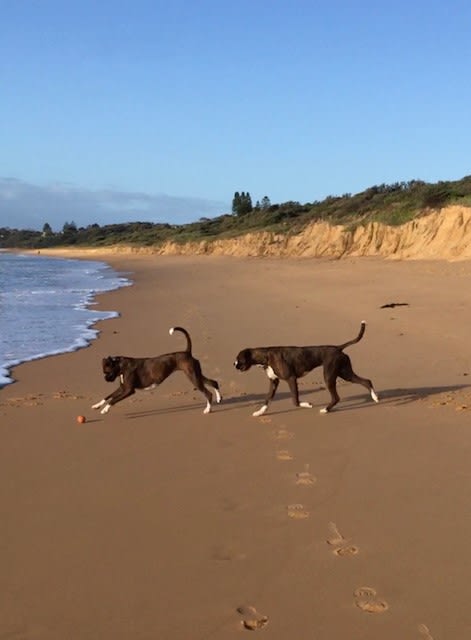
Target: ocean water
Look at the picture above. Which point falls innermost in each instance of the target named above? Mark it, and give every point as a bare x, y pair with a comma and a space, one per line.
46, 306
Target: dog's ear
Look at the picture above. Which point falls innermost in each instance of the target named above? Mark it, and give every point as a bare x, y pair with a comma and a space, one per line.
118, 361
111, 361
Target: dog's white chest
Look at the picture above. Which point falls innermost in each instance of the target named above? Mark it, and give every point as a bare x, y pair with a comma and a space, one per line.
271, 374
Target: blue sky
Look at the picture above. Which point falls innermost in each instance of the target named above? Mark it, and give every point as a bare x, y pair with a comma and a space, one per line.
148, 110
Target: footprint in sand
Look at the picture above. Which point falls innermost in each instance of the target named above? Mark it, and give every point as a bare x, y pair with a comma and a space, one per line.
341, 544
26, 401
283, 434
366, 600
65, 395
424, 632
336, 538
230, 504
252, 619
284, 454
21, 632
347, 550
305, 478
176, 394
297, 512
227, 553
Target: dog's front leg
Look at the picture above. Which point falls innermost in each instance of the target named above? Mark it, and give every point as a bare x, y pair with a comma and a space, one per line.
119, 394
274, 382
293, 387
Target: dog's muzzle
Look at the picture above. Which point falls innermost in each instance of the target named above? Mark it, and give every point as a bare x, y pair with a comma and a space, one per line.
241, 366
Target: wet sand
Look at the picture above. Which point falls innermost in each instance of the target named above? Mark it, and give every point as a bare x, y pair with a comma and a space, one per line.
157, 521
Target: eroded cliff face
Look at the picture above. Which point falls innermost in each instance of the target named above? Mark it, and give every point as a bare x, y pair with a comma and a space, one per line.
445, 234
442, 235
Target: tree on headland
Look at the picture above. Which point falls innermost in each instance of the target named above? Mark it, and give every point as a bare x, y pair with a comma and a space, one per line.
69, 232
265, 204
241, 203
47, 230
69, 227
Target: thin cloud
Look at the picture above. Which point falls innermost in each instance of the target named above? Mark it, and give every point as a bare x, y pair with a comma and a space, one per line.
29, 206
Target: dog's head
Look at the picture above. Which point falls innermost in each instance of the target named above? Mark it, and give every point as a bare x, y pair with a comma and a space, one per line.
111, 368
244, 360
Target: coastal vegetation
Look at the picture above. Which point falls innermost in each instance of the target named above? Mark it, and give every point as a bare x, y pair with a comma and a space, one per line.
391, 204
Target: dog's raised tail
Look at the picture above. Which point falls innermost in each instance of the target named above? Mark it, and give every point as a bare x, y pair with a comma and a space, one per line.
355, 340
186, 334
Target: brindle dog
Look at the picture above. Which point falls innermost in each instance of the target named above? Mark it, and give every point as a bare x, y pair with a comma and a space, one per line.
145, 373
291, 363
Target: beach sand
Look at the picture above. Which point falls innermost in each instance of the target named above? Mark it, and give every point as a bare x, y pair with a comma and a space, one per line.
159, 522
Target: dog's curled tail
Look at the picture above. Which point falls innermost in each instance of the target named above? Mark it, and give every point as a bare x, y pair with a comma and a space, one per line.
185, 333
357, 339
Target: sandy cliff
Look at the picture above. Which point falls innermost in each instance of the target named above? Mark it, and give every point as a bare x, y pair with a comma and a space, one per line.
445, 234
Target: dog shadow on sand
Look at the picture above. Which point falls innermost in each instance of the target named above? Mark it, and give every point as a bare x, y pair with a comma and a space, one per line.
406, 395
396, 396
399, 396
229, 403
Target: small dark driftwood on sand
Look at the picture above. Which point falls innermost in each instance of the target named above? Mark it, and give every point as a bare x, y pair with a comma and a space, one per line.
391, 305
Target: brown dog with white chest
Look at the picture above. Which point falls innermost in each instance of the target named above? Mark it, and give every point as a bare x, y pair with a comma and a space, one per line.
291, 363
146, 373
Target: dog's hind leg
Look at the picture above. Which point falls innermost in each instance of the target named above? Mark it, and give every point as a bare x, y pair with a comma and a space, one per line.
365, 383
214, 384
346, 373
197, 379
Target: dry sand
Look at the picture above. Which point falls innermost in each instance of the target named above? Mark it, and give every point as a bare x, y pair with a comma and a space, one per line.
158, 522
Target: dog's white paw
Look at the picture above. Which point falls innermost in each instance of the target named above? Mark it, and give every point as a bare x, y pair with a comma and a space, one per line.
105, 409
324, 410
98, 404
305, 405
374, 396
218, 396
207, 408
260, 411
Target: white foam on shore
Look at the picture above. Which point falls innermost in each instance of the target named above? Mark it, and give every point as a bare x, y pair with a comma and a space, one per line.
47, 307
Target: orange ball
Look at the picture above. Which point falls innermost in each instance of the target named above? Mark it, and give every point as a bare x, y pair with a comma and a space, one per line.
81, 419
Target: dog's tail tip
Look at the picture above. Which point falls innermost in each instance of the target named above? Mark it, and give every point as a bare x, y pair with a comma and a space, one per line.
363, 322
171, 330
